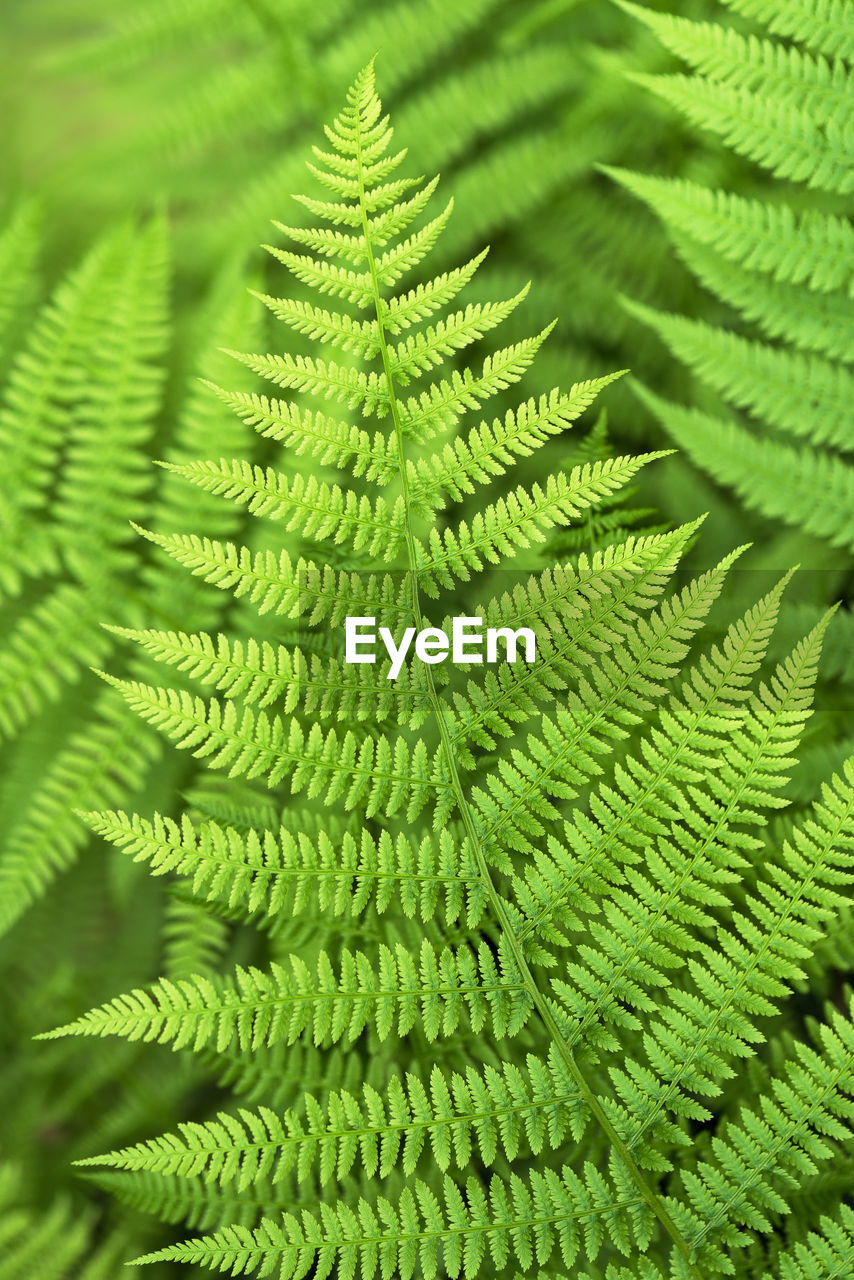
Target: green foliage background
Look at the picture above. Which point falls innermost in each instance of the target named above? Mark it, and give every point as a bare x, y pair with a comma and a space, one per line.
144, 152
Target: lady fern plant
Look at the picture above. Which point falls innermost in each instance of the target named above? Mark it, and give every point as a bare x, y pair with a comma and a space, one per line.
774, 420
79, 407
522, 925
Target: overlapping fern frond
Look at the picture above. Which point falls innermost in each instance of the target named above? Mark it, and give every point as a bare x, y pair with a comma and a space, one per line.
54, 1245
780, 258
80, 407
80, 401
500, 939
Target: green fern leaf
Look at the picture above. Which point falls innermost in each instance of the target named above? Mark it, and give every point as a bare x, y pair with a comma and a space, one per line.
556, 921
783, 263
823, 25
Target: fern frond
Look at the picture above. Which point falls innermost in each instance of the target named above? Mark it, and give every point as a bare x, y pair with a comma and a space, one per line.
582, 621
46, 650
82, 396
805, 486
486, 984
823, 25
332, 443
822, 1255
320, 510
606, 907
52, 1243
102, 762
122, 396
459, 1230
755, 1163
801, 394
810, 321
434, 990
274, 875
378, 776
263, 674
645, 797
94, 767
87, 367
784, 263
488, 449
274, 582
514, 522
692, 1048
778, 106
487, 1110
812, 248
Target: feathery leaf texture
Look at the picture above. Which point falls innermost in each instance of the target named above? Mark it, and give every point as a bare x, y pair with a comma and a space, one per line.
787, 106
545, 924
87, 363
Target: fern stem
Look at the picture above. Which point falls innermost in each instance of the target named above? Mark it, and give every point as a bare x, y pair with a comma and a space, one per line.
540, 1002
